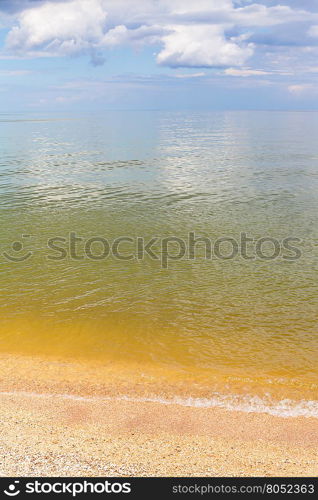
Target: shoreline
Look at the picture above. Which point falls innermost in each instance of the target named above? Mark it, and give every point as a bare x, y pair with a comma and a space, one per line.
61, 419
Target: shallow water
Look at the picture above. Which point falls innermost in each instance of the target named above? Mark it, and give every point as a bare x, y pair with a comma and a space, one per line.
248, 325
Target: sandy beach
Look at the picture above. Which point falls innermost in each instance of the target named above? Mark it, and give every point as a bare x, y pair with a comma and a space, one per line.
58, 419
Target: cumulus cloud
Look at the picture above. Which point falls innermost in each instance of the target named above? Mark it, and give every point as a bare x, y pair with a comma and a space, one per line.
204, 33
66, 28
201, 46
74, 26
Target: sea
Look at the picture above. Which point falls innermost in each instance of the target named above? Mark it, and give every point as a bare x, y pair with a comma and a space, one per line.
181, 241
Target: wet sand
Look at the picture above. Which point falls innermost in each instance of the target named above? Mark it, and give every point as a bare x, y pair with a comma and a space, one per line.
65, 418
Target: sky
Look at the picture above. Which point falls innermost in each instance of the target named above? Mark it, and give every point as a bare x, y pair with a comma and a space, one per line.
84, 55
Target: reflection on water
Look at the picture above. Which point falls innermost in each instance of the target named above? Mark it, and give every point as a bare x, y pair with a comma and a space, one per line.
162, 174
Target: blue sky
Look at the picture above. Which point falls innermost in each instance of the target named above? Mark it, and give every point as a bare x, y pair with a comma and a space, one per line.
158, 54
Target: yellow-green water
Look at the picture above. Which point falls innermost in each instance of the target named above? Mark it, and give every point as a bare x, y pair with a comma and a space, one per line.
247, 325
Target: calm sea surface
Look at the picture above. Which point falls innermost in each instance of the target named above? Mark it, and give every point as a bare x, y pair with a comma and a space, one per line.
72, 184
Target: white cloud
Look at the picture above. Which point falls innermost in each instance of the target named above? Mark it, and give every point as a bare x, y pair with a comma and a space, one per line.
258, 14
190, 33
63, 28
17, 72
190, 7
245, 72
313, 69
75, 26
189, 75
313, 31
201, 46
300, 89
122, 35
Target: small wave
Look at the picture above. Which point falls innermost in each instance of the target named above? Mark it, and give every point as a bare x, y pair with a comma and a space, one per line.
248, 404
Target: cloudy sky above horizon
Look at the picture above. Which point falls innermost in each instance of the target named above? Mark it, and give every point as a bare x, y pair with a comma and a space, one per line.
158, 54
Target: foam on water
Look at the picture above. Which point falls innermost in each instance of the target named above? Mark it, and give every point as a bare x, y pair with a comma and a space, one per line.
248, 404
